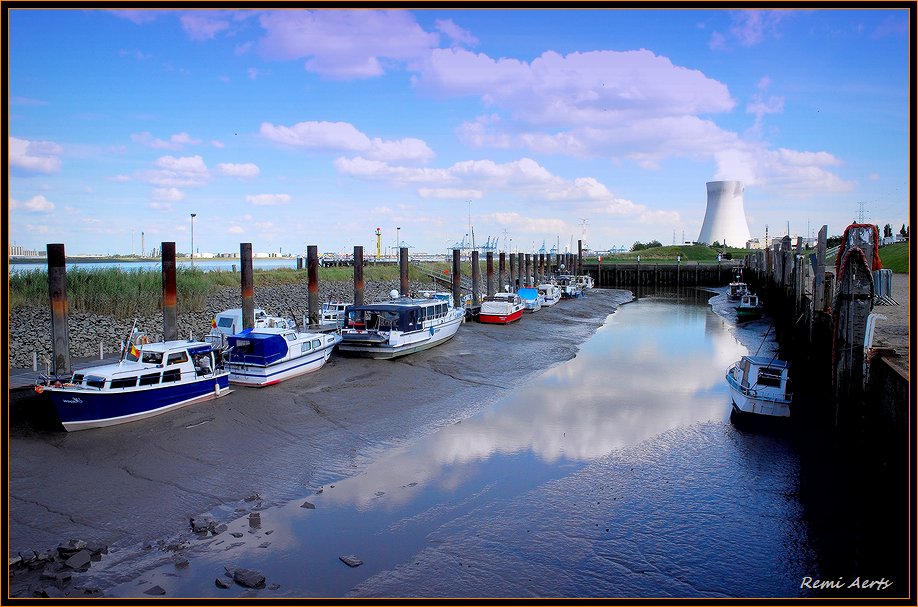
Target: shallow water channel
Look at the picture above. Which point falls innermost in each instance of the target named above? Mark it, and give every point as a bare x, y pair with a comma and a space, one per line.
616, 473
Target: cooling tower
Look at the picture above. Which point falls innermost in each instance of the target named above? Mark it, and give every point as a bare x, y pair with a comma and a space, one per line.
725, 218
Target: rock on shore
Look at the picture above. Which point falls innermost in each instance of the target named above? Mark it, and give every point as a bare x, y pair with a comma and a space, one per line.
30, 328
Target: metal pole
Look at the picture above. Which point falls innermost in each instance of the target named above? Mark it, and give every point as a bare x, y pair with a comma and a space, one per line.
193, 215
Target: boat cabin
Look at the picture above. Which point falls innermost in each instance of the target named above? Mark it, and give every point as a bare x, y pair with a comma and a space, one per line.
406, 315
265, 348
152, 365
764, 374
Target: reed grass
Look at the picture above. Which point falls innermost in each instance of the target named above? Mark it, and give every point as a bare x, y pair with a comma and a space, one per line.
126, 293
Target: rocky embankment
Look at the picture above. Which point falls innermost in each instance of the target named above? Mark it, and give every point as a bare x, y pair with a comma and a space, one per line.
30, 328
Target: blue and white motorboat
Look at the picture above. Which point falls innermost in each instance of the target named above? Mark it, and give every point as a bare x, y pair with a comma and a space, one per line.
268, 355
759, 386
151, 379
551, 294
400, 326
532, 299
584, 281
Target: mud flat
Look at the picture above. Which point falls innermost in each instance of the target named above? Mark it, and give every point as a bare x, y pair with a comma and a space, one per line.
134, 488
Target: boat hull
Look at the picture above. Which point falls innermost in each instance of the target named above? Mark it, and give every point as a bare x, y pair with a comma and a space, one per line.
258, 376
749, 314
500, 319
83, 409
758, 403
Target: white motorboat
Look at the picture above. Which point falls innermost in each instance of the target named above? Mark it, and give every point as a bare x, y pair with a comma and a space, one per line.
760, 386
268, 355
501, 308
151, 379
532, 299
400, 326
229, 322
550, 292
569, 287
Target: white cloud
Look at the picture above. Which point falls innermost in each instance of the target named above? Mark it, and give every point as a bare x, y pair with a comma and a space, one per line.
186, 171
36, 204
455, 33
450, 193
344, 43
35, 156
243, 171
235, 230
268, 199
168, 195
176, 142
204, 25
344, 137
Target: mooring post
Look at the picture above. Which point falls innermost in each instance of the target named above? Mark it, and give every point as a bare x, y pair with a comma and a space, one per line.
312, 271
501, 270
170, 321
476, 279
512, 277
248, 285
527, 281
457, 297
358, 276
403, 270
579, 257
819, 278
57, 292
489, 272
299, 263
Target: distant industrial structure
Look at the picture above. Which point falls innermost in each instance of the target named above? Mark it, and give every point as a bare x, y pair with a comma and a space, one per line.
725, 217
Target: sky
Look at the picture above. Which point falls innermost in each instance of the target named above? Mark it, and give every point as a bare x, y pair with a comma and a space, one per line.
288, 128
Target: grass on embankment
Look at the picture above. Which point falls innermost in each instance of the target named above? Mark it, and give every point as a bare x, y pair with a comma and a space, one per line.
668, 253
895, 257
126, 293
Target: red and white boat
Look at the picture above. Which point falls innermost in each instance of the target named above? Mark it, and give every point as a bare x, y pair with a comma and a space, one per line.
501, 308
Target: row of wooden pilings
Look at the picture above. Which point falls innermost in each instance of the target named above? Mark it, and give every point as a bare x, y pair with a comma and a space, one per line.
822, 323
518, 271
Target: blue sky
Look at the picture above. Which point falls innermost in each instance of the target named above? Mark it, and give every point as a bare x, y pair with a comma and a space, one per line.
293, 127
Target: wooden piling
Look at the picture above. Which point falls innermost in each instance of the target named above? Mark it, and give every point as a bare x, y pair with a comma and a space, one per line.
489, 269
60, 309
512, 273
457, 296
358, 276
527, 281
476, 279
248, 285
502, 268
403, 271
819, 278
312, 269
579, 257
170, 322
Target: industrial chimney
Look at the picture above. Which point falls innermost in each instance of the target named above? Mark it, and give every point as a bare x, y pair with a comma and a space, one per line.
725, 218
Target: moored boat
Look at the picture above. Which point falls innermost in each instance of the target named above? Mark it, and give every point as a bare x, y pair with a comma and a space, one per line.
584, 281
151, 379
501, 308
400, 326
749, 308
268, 355
229, 322
331, 314
532, 299
551, 293
760, 386
736, 290
569, 287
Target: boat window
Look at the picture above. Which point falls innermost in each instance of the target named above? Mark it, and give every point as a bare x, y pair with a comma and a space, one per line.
155, 358
769, 377
172, 375
177, 357
150, 379
306, 347
225, 322
316, 343
124, 382
244, 346
95, 382
290, 336
77, 378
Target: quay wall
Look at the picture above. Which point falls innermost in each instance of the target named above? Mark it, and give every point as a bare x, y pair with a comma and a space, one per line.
615, 275
30, 327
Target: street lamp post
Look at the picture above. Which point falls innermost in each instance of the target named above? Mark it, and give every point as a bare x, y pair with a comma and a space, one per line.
398, 244
193, 215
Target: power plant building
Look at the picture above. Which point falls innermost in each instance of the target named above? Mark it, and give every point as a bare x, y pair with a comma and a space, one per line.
725, 217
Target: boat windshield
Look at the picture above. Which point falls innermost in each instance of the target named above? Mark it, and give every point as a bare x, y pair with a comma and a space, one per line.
155, 358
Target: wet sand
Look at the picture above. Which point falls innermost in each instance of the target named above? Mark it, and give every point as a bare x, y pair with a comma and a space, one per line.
137, 485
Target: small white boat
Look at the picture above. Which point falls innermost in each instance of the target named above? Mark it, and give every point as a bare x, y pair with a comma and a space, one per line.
152, 379
759, 385
501, 308
331, 314
737, 290
749, 308
229, 322
551, 294
268, 355
532, 299
569, 287
584, 281
400, 326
